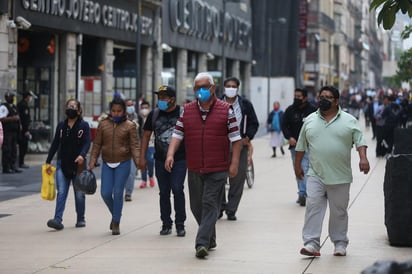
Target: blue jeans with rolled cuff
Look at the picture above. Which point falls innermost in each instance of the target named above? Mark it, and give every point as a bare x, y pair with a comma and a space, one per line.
112, 187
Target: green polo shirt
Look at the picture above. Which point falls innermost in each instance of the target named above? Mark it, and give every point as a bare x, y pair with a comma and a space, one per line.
330, 145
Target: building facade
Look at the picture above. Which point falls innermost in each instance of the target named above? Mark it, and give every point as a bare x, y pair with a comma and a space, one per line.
86, 49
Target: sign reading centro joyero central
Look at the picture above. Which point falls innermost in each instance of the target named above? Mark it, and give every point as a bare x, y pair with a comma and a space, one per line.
105, 18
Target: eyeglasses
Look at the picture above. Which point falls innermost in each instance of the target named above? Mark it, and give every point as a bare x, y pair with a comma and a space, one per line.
326, 97
203, 86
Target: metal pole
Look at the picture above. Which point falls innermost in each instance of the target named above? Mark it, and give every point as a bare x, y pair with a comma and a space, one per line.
79, 44
223, 45
269, 66
138, 42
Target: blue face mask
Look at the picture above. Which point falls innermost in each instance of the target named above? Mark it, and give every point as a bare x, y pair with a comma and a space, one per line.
118, 119
163, 105
203, 94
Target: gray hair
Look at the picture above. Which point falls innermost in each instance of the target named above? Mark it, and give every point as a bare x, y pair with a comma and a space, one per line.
203, 75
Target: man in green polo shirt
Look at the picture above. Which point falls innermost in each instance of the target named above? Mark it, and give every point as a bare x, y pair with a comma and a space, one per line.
329, 134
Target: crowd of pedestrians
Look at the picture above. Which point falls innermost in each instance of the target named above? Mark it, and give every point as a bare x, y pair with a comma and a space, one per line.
209, 139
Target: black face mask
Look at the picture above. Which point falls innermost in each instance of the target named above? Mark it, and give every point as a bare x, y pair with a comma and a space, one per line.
325, 105
9, 100
71, 113
297, 102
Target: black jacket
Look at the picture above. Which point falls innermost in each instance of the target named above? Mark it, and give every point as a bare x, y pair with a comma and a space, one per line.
24, 113
293, 120
249, 117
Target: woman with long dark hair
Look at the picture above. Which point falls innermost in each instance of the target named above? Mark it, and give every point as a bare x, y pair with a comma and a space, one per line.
71, 142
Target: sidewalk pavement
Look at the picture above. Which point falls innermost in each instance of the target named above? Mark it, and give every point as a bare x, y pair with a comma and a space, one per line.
266, 238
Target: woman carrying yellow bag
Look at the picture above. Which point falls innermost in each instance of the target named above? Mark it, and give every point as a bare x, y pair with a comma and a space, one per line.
71, 142
48, 188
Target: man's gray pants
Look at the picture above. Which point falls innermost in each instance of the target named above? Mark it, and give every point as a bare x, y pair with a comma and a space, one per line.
237, 184
319, 195
205, 194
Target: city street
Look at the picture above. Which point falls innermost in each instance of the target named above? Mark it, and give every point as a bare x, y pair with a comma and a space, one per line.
266, 238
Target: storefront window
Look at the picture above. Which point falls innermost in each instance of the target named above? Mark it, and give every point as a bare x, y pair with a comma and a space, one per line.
34, 73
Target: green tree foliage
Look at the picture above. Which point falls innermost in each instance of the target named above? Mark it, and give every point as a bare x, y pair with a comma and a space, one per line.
389, 9
404, 72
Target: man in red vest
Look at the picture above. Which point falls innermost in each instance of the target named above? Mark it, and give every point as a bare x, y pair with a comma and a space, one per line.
209, 127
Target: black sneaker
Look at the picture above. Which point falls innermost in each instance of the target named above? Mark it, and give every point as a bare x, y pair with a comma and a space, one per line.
231, 216
166, 230
180, 231
302, 200
53, 223
201, 252
81, 224
212, 244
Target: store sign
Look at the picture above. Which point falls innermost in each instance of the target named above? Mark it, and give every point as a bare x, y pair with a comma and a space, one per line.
303, 23
104, 14
197, 25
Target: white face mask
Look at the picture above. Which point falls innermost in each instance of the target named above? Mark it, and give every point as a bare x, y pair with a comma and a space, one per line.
144, 111
230, 92
130, 109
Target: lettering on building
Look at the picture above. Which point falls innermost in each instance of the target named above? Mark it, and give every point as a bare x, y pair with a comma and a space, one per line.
91, 12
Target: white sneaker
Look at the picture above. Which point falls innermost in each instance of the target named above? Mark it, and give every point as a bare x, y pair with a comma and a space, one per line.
340, 250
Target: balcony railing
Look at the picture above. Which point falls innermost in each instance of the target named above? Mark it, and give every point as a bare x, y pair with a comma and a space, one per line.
318, 19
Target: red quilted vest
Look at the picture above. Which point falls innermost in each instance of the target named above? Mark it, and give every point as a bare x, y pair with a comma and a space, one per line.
207, 143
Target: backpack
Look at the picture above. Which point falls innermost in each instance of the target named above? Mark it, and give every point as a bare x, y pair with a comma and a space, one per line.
394, 115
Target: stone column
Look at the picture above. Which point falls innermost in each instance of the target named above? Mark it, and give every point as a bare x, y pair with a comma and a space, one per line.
181, 74
107, 74
202, 62
8, 57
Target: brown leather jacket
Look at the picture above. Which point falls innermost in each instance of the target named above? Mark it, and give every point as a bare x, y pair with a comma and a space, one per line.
117, 142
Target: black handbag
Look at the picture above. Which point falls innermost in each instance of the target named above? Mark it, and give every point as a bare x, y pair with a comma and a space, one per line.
86, 182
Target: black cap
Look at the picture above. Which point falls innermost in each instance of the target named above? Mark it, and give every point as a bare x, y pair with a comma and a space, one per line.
169, 91
10, 93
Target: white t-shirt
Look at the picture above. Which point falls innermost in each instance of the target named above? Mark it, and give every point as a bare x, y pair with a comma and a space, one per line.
3, 111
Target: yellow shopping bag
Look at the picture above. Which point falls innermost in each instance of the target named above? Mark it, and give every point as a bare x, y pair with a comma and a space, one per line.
48, 188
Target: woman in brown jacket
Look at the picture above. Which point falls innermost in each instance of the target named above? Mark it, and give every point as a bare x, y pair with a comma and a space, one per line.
117, 140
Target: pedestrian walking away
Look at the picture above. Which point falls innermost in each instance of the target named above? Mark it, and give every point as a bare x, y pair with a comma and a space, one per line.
10, 119
328, 134
71, 142
292, 122
248, 125
274, 123
149, 156
208, 126
132, 116
161, 121
118, 142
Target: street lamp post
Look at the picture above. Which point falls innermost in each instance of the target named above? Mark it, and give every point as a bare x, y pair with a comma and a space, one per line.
138, 42
282, 21
223, 73
269, 66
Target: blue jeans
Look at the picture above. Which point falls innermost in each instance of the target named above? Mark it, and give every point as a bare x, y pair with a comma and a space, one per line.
112, 187
171, 181
150, 164
63, 184
305, 166
130, 180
